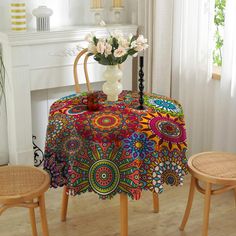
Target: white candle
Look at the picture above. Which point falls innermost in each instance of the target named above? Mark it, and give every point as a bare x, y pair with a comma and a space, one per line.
117, 3
96, 4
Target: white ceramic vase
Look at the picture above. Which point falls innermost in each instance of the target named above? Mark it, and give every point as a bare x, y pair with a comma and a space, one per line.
112, 87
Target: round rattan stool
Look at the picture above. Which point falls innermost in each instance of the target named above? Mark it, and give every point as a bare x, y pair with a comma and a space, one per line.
217, 168
24, 186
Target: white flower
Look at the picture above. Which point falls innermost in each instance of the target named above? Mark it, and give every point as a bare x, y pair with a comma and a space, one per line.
119, 52
101, 46
108, 49
123, 43
89, 37
102, 23
141, 40
139, 44
92, 48
134, 44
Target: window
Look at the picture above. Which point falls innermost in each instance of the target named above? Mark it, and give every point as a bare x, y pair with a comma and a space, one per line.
219, 21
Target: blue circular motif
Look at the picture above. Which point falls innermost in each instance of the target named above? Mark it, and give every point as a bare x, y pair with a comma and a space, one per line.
164, 105
168, 105
138, 145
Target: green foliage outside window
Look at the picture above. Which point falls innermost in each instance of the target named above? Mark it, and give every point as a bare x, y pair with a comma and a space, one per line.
219, 21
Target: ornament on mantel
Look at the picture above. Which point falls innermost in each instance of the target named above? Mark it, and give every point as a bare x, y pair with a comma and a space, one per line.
42, 14
18, 15
117, 8
96, 7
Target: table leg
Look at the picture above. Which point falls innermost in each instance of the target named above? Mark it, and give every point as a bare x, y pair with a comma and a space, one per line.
65, 198
155, 202
123, 214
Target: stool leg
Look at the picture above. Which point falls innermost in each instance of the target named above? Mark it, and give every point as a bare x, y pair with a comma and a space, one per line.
189, 204
206, 209
33, 222
155, 202
65, 198
123, 214
43, 215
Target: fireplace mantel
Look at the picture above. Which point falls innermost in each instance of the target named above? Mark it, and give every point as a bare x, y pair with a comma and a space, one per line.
71, 33
43, 60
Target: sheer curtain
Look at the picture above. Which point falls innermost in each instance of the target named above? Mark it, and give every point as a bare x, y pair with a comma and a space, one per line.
224, 132
209, 105
191, 84
155, 20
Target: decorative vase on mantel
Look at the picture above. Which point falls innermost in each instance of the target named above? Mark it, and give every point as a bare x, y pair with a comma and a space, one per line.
112, 87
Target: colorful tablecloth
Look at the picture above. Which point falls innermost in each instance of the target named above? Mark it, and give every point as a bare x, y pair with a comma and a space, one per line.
118, 148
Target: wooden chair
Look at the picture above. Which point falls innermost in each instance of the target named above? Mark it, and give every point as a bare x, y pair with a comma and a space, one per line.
24, 186
76, 79
216, 168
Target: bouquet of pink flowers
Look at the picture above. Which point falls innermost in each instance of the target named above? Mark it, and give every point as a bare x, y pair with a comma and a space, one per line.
115, 48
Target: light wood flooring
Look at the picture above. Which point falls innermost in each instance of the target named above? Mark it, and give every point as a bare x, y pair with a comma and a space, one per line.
89, 216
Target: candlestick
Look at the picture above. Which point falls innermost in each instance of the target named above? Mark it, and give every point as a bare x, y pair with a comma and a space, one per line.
117, 8
96, 7
141, 86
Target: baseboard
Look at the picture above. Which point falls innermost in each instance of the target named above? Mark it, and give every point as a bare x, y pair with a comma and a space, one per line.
4, 158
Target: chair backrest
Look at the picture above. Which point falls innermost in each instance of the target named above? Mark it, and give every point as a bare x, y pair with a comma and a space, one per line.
87, 55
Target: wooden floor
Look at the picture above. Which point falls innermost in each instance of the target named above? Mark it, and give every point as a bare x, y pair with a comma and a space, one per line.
89, 216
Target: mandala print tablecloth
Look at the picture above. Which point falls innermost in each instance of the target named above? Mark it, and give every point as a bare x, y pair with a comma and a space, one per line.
118, 148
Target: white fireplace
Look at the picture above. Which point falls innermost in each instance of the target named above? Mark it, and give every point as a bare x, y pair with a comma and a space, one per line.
37, 62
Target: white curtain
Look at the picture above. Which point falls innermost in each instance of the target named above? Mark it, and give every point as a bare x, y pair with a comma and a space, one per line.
209, 105
224, 132
191, 84
155, 21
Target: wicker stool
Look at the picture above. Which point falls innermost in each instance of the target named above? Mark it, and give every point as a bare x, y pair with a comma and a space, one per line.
211, 168
24, 186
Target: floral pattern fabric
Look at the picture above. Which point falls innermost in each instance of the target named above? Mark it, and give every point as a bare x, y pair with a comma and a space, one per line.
118, 148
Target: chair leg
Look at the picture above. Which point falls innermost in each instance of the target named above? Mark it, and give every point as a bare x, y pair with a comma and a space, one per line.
206, 209
189, 204
235, 197
43, 215
33, 222
155, 202
123, 214
65, 198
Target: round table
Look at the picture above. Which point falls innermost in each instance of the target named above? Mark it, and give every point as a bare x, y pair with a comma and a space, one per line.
117, 149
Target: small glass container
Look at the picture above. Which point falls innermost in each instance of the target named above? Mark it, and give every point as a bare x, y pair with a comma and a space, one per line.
92, 101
